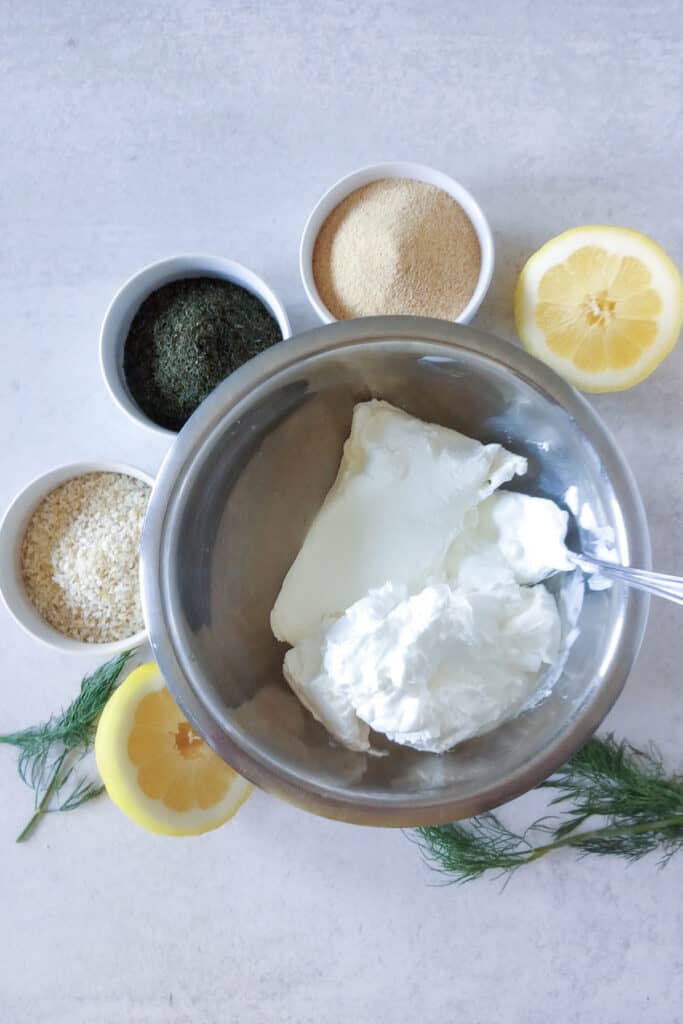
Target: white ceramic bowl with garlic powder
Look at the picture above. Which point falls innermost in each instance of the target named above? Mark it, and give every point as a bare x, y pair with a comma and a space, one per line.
396, 169
12, 532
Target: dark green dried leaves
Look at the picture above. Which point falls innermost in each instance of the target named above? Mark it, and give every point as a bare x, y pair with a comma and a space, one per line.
186, 338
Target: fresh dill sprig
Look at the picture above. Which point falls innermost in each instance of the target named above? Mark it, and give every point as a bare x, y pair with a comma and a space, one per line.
49, 753
465, 850
640, 810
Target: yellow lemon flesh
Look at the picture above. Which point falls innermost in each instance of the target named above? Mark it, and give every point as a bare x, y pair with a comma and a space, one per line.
601, 305
154, 765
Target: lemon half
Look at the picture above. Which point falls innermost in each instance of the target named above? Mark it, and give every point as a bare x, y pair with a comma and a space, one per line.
156, 768
601, 305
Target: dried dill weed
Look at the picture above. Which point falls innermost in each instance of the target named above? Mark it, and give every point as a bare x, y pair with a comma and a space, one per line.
80, 556
187, 337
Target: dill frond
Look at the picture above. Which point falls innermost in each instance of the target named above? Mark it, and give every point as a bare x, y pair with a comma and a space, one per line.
467, 850
640, 810
610, 779
48, 753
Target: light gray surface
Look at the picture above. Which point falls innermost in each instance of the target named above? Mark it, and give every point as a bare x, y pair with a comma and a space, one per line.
145, 130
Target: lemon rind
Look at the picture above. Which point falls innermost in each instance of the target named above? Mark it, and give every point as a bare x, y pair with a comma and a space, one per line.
610, 381
120, 775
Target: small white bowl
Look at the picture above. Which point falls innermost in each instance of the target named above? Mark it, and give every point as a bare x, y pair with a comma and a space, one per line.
12, 531
396, 169
132, 294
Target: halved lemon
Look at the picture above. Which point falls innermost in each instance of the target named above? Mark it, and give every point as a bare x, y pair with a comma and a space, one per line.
154, 765
601, 305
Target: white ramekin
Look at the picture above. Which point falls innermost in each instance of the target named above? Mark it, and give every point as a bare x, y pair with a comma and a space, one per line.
396, 169
12, 530
132, 294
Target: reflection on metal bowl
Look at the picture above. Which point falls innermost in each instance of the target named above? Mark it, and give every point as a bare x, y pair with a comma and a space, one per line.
231, 507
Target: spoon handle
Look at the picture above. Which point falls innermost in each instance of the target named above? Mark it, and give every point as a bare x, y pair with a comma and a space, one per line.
658, 583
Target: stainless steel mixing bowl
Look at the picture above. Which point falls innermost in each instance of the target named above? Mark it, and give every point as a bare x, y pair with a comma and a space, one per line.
231, 507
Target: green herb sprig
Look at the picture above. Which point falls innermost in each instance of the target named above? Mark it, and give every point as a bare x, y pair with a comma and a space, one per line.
49, 754
640, 807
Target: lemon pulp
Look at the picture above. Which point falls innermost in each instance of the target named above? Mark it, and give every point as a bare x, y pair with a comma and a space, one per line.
156, 768
602, 305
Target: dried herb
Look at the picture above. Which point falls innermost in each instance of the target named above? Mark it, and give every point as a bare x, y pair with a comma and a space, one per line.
640, 810
49, 753
186, 338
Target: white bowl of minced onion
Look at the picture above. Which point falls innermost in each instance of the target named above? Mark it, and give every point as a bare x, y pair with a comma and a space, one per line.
69, 550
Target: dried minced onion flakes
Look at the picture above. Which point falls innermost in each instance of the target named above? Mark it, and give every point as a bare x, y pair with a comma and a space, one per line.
80, 556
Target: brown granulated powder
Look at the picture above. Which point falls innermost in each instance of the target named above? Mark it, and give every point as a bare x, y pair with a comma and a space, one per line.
397, 246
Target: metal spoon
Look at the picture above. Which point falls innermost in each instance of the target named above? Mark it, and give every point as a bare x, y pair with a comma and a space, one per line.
657, 583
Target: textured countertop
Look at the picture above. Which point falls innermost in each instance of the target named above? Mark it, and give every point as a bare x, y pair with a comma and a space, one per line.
136, 130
